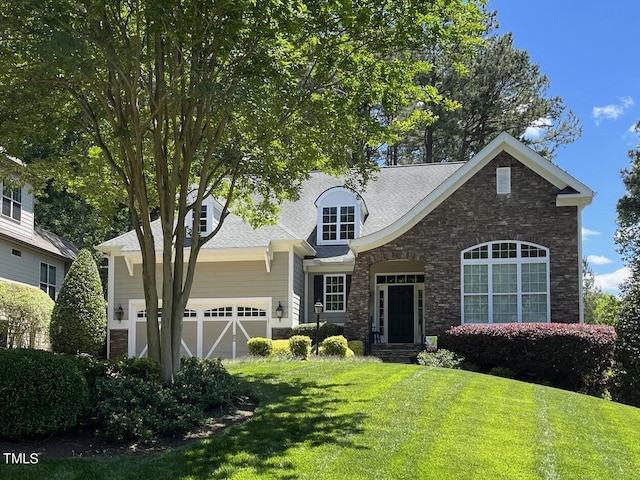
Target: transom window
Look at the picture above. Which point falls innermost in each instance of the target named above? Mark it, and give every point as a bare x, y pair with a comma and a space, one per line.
505, 282
335, 293
219, 312
12, 203
251, 312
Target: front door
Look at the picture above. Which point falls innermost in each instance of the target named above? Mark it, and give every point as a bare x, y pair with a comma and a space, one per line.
401, 315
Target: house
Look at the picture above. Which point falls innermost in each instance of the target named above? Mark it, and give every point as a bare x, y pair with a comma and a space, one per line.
421, 248
29, 255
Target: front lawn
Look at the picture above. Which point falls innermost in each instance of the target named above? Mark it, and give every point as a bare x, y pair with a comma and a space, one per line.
352, 420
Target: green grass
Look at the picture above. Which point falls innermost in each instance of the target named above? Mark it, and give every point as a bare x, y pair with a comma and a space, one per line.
358, 420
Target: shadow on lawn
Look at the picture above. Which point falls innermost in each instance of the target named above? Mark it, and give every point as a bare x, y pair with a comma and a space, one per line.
288, 415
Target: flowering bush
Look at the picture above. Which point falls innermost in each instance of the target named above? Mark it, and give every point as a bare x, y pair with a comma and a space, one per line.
568, 355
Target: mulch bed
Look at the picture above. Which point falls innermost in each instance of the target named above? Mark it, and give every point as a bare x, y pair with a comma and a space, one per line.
83, 442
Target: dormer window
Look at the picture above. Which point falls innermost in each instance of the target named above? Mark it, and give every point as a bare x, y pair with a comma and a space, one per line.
341, 213
203, 219
12, 202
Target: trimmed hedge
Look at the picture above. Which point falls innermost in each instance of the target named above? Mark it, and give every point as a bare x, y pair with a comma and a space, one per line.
281, 348
568, 355
357, 347
260, 347
26, 313
300, 345
40, 393
336, 345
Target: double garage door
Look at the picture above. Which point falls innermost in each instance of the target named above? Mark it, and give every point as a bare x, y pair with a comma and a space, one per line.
214, 329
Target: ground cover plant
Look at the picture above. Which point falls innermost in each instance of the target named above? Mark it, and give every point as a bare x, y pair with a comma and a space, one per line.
334, 419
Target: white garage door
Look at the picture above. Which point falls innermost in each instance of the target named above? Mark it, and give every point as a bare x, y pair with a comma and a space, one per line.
211, 329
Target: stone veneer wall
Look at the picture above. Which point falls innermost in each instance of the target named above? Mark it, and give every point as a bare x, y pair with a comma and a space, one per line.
475, 214
118, 343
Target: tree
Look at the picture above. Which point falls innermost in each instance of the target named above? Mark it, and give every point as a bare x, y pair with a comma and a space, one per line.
25, 312
628, 208
590, 292
607, 309
499, 90
164, 102
79, 321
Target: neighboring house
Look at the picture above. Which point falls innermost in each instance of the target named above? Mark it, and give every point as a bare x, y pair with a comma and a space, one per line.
422, 248
28, 254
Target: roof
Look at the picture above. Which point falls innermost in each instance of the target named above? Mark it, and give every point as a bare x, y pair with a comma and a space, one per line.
45, 241
396, 198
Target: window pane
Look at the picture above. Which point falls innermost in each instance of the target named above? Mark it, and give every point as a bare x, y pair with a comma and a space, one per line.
17, 211
43, 272
476, 279
476, 309
52, 275
334, 293
328, 232
347, 214
505, 278
504, 250
347, 231
534, 277
6, 206
480, 252
505, 308
534, 308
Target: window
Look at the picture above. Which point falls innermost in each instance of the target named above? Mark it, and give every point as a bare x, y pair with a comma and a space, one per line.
12, 203
503, 180
505, 282
338, 227
16, 252
251, 312
335, 293
219, 312
203, 219
48, 279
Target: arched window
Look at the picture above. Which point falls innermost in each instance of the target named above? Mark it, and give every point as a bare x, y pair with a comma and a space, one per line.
505, 282
341, 213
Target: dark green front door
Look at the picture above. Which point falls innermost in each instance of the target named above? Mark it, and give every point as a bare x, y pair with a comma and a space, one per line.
401, 315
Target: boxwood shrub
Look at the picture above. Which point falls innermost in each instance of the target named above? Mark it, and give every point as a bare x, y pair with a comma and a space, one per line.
40, 393
260, 347
326, 330
335, 345
300, 345
567, 355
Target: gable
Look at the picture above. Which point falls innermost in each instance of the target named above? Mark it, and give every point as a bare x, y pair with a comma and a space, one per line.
564, 189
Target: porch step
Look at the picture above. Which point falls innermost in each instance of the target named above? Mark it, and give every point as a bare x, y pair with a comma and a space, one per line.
395, 352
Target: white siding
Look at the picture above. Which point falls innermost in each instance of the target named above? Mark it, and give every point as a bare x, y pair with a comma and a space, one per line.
24, 228
26, 268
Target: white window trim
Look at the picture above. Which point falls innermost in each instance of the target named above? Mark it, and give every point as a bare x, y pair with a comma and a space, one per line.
48, 283
518, 261
15, 204
344, 292
338, 224
339, 197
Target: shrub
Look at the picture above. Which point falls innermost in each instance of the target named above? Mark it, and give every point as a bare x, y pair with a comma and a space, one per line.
336, 345
357, 347
259, 346
27, 313
439, 358
131, 408
568, 355
281, 347
326, 330
300, 346
40, 393
205, 383
627, 353
79, 321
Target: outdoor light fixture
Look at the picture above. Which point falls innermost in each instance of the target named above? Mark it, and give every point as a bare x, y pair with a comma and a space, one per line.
318, 308
119, 313
279, 311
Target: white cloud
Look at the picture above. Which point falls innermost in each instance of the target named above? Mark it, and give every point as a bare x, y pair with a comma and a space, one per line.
598, 260
612, 111
612, 281
537, 128
586, 233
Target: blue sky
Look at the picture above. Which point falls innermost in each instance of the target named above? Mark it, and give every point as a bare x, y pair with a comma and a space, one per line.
589, 51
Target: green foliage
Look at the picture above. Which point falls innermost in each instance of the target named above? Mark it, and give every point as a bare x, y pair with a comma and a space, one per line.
79, 321
130, 402
327, 329
357, 347
40, 393
27, 313
577, 357
300, 345
259, 346
281, 347
440, 358
627, 353
336, 345
628, 208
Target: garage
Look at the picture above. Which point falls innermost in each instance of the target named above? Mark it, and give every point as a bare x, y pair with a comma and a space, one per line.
212, 328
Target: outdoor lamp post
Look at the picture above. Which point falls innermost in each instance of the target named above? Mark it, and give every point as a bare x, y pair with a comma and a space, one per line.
318, 308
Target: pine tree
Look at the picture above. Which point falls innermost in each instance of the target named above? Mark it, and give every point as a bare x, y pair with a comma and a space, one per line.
79, 322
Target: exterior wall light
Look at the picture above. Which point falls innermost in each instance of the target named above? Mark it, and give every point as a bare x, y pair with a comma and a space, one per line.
279, 311
119, 313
